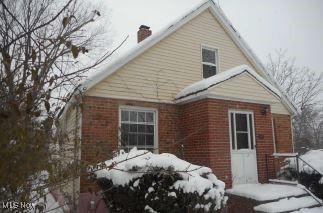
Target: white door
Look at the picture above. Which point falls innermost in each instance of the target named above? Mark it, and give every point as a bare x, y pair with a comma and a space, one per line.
243, 152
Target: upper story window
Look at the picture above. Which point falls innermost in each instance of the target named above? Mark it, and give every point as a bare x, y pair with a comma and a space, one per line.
209, 61
137, 128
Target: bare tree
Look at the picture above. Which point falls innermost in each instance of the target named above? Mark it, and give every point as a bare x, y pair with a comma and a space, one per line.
43, 46
303, 87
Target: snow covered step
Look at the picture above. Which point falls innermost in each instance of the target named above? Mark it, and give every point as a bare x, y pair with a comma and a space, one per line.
311, 210
266, 192
287, 205
286, 182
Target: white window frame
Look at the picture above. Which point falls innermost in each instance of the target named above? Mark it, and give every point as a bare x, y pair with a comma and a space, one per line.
216, 64
248, 129
141, 109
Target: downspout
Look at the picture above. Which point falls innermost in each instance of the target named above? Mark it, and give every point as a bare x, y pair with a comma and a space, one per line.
273, 132
292, 130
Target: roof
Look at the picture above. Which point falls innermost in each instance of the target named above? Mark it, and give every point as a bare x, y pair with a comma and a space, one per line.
205, 84
156, 37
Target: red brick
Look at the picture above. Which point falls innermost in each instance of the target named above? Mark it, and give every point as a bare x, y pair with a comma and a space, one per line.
202, 127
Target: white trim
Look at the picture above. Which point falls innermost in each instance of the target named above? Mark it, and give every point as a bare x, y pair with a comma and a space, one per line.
246, 112
285, 154
273, 133
230, 131
139, 108
203, 95
134, 99
263, 86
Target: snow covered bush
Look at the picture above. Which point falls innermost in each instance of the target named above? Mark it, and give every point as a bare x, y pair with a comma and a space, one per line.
308, 177
140, 181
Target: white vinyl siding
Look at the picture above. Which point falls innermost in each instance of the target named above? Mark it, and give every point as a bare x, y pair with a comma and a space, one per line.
245, 88
70, 125
172, 64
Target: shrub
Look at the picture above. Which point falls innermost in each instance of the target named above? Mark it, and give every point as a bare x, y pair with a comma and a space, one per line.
311, 179
148, 182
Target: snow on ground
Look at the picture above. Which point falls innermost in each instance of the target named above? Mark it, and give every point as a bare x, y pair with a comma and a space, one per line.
151, 210
45, 199
286, 205
312, 210
264, 192
223, 76
312, 157
50, 204
143, 161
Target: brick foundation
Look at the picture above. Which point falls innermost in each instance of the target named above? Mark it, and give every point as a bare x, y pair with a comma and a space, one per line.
201, 126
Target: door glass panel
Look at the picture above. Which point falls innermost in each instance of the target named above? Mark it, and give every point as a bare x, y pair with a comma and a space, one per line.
241, 122
251, 131
232, 131
242, 141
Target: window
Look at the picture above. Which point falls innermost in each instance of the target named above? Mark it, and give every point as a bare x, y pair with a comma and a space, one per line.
242, 132
209, 61
137, 128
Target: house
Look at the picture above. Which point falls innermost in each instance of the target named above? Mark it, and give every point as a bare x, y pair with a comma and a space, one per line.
196, 90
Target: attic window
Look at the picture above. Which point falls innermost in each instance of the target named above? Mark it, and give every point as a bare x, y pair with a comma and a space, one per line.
209, 61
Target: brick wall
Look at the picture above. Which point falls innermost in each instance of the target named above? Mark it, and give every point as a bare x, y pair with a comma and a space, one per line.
194, 126
100, 129
283, 133
214, 144
201, 126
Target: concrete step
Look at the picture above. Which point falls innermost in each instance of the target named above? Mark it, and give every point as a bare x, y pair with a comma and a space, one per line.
284, 182
287, 205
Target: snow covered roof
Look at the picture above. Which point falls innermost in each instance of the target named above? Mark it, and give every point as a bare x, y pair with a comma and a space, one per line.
207, 83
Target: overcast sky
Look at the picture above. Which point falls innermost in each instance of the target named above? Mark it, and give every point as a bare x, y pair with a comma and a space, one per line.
266, 25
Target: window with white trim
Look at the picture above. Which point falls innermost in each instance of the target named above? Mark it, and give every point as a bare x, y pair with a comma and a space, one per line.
242, 132
209, 61
137, 128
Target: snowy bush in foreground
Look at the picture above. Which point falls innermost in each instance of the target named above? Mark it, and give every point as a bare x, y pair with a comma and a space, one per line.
308, 176
140, 181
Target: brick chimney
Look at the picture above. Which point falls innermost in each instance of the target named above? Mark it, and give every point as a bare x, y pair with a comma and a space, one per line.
143, 32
